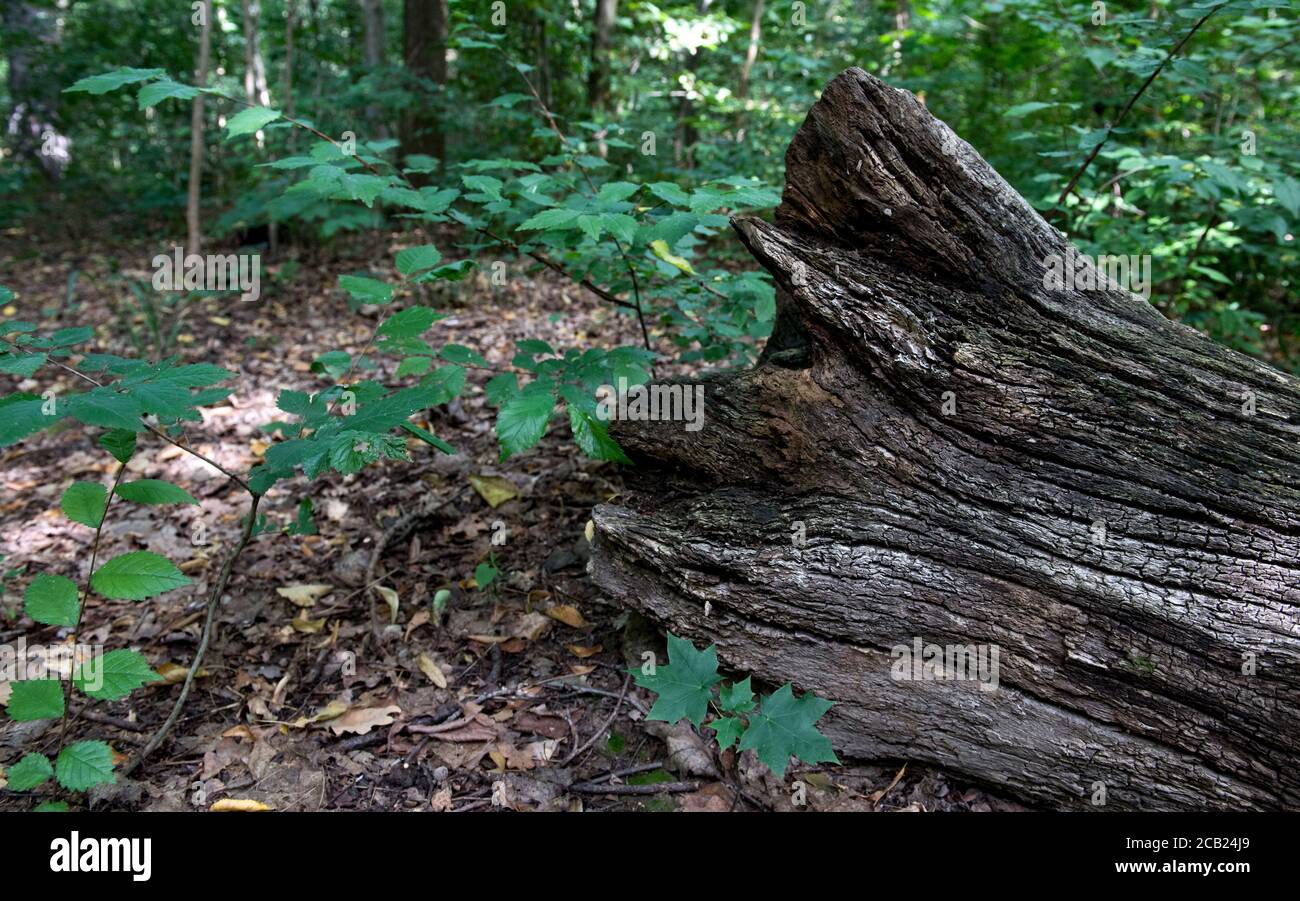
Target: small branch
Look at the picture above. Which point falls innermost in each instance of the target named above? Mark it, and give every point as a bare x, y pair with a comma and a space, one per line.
618, 705
591, 788
214, 600
1128, 106
81, 608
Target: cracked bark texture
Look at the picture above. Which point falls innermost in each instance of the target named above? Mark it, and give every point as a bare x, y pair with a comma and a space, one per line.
1100, 505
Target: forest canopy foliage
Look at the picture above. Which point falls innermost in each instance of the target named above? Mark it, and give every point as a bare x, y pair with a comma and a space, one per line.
666, 119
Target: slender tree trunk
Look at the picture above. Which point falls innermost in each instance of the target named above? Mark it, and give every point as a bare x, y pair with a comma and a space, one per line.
375, 56
1085, 517
424, 53
751, 56
598, 77
688, 134
195, 238
543, 63
255, 88
751, 52
31, 35
290, 22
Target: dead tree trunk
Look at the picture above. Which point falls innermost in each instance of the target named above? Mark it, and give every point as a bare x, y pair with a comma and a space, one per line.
1106, 497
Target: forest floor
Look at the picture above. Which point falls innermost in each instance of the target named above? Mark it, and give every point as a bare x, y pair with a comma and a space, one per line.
515, 697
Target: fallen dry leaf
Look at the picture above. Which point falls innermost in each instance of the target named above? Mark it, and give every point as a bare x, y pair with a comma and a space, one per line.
430, 668
305, 624
567, 615
391, 599
494, 489
174, 673
363, 719
420, 618
579, 651
332, 710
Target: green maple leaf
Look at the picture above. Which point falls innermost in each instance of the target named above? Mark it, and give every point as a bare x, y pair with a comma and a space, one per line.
737, 697
785, 726
729, 729
684, 684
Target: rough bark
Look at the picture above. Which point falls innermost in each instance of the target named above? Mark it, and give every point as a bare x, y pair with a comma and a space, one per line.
1107, 497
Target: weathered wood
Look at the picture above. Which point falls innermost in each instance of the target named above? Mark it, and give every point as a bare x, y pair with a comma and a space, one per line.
1108, 498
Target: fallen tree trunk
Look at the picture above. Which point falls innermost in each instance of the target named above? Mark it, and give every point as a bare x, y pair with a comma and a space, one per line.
1105, 498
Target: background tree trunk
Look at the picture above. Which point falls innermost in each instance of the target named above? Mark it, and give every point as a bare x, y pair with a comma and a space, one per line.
290, 22
751, 56
1109, 499
598, 75
424, 43
375, 55
194, 241
255, 88
688, 134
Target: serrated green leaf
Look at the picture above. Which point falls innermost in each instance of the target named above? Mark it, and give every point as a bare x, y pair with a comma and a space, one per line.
522, 420
409, 323
414, 366
615, 191
33, 771
36, 699
52, 600
154, 491
84, 502
415, 259
784, 726
501, 387
24, 365
250, 120
137, 575
593, 438
590, 225
684, 684
366, 290
23, 414
670, 193
459, 353
153, 94
114, 675
120, 443
82, 766
105, 408
111, 81
51, 807
556, 218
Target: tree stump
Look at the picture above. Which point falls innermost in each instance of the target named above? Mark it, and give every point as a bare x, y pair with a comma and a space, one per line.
1105, 498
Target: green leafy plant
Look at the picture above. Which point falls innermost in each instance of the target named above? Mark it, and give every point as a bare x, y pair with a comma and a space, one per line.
776, 727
